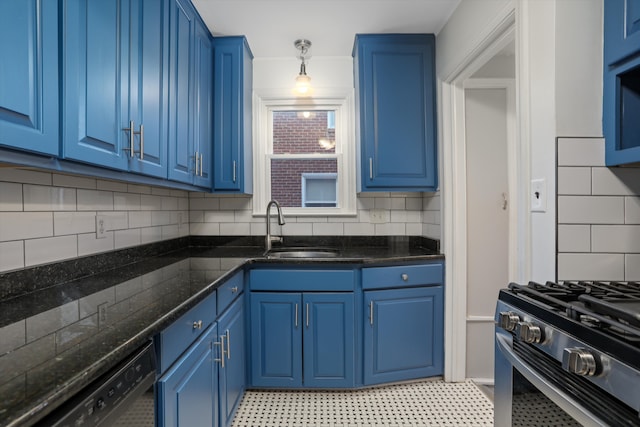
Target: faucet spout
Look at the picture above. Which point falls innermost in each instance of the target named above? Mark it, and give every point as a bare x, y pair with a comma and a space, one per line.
268, 238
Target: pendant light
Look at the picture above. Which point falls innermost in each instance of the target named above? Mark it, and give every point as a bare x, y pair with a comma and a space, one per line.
303, 81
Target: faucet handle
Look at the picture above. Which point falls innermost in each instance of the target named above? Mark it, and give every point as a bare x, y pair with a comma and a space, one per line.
276, 239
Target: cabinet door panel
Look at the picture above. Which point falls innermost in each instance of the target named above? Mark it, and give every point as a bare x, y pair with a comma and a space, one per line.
29, 75
204, 105
232, 376
187, 393
328, 340
96, 97
276, 329
181, 149
621, 30
405, 338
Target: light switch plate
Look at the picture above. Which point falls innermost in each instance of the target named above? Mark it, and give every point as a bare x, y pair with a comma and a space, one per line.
538, 195
378, 216
101, 227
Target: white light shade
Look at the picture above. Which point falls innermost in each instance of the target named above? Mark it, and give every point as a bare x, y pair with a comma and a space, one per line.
303, 84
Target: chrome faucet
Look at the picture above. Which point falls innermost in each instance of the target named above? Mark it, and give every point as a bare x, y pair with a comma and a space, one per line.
268, 238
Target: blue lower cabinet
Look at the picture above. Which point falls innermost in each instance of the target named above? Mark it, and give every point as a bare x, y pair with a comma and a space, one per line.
302, 339
231, 374
187, 393
403, 334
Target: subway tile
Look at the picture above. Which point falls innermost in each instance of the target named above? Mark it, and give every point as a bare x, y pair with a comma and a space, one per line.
127, 238
382, 203
179, 193
13, 336
159, 191
74, 181
413, 229
116, 220
196, 216
328, 229
431, 217
413, 204
183, 204
295, 229
397, 203
25, 176
236, 203
11, 256
88, 244
574, 238
151, 234
25, 225
366, 203
196, 194
590, 210
432, 203
204, 204
235, 229
44, 198
160, 218
359, 229
120, 187
171, 232
594, 266
139, 219
10, 196
312, 219
632, 267
169, 203
574, 180
140, 189
580, 152
615, 238
150, 203
50, 321
258, 228
632, 210
219, 216
50, 249
379, 194
205, 229
616, 181
432, 231
390, 229
247, 216
406, 216
73, 222
343, 219
95, 200
126, 202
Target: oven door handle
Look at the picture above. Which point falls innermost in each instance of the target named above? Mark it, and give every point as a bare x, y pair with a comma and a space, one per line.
559, 397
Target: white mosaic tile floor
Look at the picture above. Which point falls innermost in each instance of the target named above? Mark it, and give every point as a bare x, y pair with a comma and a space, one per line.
426, 403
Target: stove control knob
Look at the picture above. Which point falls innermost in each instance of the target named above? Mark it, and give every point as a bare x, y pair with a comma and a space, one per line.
508, 320
529, 333
579, 361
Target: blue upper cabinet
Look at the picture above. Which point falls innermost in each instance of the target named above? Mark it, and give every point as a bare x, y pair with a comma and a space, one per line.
115, 84
394, 78
621, 94
29, 75
621, 30
203, 118
233, 82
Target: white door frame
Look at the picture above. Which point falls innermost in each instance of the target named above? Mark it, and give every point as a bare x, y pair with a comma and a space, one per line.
509, 27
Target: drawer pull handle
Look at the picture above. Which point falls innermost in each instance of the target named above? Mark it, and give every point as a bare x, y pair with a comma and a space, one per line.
405, 277
234, 289
197, 324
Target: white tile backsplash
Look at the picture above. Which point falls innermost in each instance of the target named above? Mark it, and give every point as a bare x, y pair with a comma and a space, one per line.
580, 152
592, 266
45, 198
616, 238
50, 249
25, 225
91, 200
11, 255
632, 210
590, 210
574, 238
11, 199
574, 180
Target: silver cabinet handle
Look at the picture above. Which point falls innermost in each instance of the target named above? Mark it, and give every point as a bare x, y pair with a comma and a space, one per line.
405, 277
371, 313
141, 132
132, 133
201, 168
296, 318
221, 344
307, 314
234, 289
196, 157
370, 167
197, 324
234, 171
228, 344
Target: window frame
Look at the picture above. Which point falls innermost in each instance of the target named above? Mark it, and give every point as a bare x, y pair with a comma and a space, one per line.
343, 105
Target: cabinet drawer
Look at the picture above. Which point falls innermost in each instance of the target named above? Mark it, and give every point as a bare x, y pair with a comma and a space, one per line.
229, 291
174, 340
401, 276
302, 280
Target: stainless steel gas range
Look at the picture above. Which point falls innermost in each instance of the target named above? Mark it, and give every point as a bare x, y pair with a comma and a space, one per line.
568, 354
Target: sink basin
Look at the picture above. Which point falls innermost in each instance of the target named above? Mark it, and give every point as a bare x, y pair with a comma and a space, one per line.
303, 253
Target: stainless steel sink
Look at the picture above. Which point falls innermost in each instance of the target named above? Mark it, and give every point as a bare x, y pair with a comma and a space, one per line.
302, 253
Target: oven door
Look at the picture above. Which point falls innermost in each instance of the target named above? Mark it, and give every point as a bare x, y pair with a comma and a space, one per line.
525, 396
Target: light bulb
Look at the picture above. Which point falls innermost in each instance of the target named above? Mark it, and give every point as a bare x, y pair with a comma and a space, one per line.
303, 84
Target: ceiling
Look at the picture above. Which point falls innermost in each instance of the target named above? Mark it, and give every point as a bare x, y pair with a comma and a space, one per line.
271, 26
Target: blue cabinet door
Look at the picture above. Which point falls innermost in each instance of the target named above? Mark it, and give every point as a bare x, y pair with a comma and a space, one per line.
395, 102
621, 30
29, 75
182, 158
187, 393
329, 340
233, 74
403, 334
148, 87
203, 117
96, 96
276, 339
232, 376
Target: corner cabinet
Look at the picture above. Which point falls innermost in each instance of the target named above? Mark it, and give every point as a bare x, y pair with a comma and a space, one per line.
29, 76
394, 77
115, 84
621, 95
404, 329
233, 82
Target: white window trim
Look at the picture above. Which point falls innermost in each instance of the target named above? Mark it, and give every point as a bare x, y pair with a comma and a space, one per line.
342, 102
316, 176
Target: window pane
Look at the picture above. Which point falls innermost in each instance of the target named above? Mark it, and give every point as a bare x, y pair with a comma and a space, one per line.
302, 132
321, 190
286, 178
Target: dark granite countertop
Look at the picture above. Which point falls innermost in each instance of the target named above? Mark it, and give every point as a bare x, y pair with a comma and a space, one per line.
65, 324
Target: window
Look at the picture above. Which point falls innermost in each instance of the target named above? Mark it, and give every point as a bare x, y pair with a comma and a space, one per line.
303, 156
